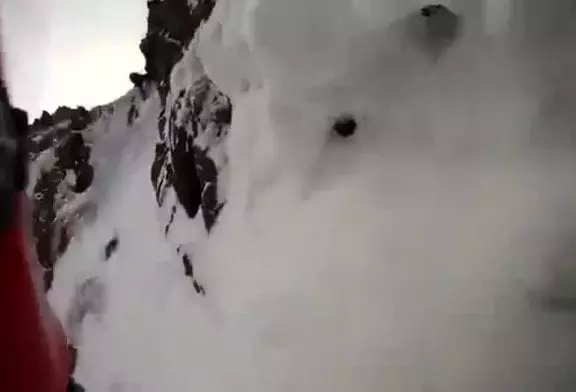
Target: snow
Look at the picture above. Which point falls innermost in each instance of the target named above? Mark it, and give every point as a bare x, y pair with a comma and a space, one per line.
409, 257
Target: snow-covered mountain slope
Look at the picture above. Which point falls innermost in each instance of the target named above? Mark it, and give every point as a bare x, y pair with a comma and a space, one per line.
67, 149
367, 195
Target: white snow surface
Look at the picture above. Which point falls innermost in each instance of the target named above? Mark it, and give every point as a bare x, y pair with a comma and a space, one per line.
410, 257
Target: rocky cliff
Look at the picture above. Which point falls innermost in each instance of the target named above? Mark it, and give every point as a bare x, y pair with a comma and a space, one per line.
192, 123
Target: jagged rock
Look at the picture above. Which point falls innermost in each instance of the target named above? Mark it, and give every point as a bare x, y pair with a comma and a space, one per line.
171, 26
159, 164
45, 215
46, 140
79, 119
183, 160
141, 82
63, 113
73, 152
138, 79
70, 153
193, 124
44, 121
84, 178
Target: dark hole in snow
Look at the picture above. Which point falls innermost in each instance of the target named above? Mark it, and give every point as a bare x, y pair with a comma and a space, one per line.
188, 269
345, 126
111, 247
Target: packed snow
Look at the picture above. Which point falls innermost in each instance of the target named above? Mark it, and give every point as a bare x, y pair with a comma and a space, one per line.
413, 256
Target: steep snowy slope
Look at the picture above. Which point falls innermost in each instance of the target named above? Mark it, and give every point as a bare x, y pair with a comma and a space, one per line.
67, 149
367, 195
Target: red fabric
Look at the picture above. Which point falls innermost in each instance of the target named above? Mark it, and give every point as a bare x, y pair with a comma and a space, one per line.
33, 350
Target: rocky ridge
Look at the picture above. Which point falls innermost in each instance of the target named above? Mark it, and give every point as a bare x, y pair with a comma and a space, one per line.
192, 122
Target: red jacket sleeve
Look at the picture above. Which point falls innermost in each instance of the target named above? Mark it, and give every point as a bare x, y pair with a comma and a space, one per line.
33, 349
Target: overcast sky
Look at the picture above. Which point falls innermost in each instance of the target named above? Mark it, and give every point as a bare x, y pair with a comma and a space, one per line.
70, 52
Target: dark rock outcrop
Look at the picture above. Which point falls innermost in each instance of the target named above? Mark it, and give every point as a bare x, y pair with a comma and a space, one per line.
79, 119
183, 158
71, 155
192, 124
44, 225
171, 26
182, 162
138, 80
44, 121
84, 178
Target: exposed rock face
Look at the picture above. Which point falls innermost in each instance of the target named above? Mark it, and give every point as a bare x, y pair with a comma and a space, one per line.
190, 129
44, 121
79, 119
137, 79
193, 122
68, 157
60, 151
171, 26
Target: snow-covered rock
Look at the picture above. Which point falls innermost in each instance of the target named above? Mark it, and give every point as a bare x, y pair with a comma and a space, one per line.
63, 166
